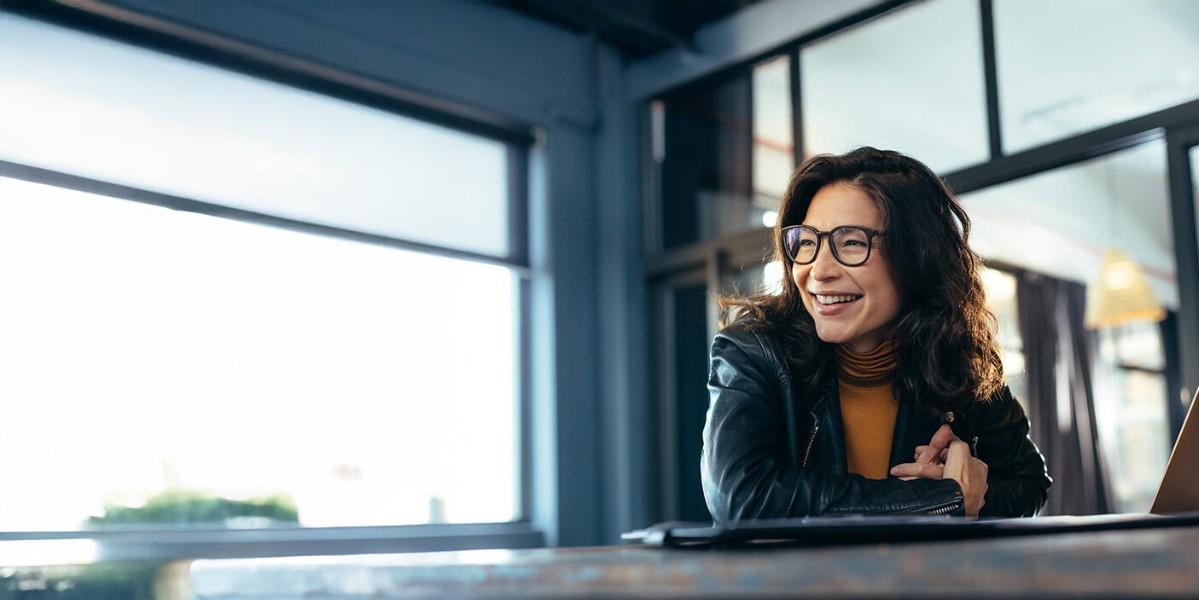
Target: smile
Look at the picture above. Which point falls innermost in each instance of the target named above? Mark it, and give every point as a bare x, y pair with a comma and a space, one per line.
829, 300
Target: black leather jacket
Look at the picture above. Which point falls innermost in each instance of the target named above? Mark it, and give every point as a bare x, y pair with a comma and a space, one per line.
770, 453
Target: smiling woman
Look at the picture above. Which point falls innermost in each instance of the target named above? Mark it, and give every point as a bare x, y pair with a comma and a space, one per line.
872, 384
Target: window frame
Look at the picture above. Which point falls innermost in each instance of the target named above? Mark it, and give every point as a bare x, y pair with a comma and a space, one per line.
162, 542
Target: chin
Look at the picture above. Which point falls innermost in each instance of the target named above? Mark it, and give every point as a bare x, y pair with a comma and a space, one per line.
832, 336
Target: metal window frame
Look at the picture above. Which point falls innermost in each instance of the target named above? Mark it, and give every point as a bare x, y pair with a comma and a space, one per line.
161, 544
160, 36
665, 444
1184, 207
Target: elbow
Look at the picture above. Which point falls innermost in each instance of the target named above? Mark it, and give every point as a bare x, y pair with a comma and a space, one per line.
1040, 496
720, 505
736, 495
727, 493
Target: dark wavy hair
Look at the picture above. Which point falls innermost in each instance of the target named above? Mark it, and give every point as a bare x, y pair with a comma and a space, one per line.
946, 351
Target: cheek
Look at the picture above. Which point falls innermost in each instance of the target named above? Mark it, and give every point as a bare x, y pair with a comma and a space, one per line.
799, 276
886, 293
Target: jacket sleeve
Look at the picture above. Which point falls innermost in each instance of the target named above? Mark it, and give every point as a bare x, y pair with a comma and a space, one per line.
745, 470
1017, 479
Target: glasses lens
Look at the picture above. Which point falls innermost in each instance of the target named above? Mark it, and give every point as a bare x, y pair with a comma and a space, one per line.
802, 243
852, 245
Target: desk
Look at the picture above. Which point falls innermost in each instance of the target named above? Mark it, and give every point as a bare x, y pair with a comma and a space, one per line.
1157, 562
1115, 564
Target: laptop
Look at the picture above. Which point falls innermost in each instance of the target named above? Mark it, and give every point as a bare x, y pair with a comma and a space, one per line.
1176, 504
1179, 489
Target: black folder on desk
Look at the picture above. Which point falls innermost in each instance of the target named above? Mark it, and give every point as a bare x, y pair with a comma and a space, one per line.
833, 531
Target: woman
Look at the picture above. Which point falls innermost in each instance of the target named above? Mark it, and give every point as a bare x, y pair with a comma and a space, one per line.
872, 384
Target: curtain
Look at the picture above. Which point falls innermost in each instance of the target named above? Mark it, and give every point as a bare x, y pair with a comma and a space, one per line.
1059, 354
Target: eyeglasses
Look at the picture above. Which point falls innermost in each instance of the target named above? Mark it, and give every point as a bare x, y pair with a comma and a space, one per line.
850, 243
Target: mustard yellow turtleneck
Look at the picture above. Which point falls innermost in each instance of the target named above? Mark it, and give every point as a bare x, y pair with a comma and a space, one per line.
868, 408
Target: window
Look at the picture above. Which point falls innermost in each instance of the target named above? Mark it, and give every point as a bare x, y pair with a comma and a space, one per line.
1134, 421
774, 150
911, 81
1061, 223
724, 153
1000, 288
154, 122
242, 373
1068, 66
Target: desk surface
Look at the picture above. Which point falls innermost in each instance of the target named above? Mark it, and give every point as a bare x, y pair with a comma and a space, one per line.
1119, 564
1158, 562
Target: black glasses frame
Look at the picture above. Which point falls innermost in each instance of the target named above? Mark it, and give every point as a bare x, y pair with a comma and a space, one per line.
820, 235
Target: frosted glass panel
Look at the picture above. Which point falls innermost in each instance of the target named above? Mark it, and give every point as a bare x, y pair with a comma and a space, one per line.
97, 108
149, 351
1070, 66
911, 81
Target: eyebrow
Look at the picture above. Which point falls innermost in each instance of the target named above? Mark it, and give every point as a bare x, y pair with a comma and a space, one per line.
836, 226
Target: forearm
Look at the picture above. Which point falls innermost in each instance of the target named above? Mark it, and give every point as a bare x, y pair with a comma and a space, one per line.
767, 490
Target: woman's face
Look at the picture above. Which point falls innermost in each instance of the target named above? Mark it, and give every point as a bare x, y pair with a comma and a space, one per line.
862, 322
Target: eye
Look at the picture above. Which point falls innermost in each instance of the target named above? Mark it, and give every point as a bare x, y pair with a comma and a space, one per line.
853, 243
807, 243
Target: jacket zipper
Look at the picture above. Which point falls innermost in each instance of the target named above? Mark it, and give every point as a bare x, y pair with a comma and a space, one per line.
948, 508
811, 442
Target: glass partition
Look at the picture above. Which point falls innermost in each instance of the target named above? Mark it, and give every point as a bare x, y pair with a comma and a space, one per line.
724, 152
911, 81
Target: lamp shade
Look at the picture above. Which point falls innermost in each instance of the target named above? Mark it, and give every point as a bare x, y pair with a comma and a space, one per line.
1121, 294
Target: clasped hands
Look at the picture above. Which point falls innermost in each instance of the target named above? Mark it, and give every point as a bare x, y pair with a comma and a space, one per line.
947, 457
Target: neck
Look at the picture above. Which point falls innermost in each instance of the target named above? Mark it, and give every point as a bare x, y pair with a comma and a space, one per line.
872, 367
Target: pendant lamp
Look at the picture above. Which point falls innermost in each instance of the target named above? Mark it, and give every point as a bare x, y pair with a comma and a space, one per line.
1121, 294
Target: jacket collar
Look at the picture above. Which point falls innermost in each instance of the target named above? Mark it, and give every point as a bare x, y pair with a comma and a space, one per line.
912, 428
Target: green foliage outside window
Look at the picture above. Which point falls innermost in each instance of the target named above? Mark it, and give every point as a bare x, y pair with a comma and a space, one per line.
184, 506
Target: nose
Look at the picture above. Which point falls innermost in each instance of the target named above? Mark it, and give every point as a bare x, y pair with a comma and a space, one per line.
825, 267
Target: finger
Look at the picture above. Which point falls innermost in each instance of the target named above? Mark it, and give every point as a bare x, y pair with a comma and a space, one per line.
957, 456
926, 454
918, 470
980, 465
943, 454
942, 437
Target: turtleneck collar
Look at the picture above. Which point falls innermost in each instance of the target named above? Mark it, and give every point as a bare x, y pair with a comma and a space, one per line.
873, 368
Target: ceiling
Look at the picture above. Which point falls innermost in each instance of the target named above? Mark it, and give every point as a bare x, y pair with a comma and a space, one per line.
638, 27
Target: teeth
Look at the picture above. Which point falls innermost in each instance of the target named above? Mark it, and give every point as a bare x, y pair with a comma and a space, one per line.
835, 299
